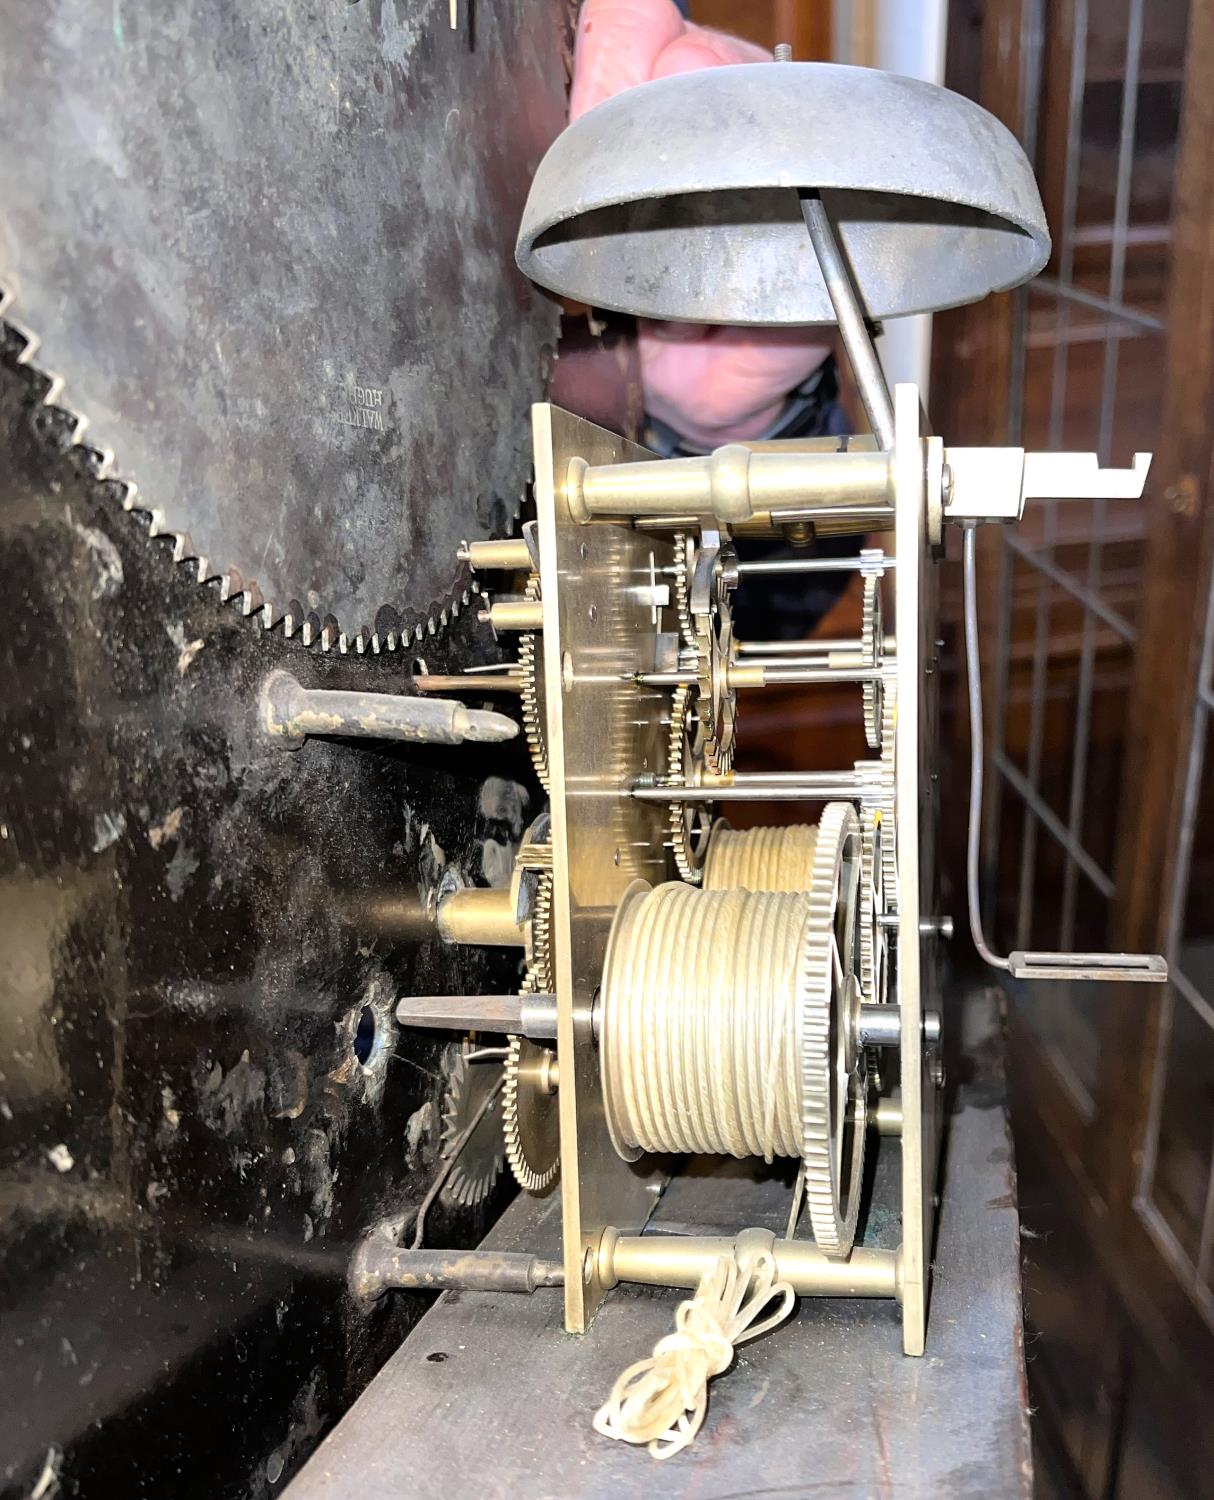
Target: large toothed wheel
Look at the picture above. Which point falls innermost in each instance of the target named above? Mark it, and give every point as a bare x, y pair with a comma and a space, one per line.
833, 1083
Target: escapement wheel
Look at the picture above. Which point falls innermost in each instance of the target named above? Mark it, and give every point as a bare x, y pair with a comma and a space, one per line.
480, 1159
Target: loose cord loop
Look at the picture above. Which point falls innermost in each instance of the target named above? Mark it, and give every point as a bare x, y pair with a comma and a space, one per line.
661, 1401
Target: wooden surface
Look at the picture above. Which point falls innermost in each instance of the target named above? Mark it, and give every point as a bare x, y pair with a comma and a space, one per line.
489, 1397
1120, 1371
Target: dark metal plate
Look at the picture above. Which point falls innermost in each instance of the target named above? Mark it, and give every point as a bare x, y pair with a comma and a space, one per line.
269, 248
204, 1095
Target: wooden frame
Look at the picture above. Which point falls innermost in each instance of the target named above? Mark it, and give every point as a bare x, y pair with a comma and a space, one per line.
1096, 1161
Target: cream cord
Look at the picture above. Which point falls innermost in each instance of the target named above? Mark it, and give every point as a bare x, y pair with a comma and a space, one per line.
661, 1401
701, 999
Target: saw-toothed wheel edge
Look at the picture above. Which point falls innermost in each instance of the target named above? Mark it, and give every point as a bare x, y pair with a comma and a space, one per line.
682, 588
872, 646
889, 797
873, 938
538, 979
517, 1124
66, 429
531, 1125
690, 822
833, 1098
531, 664
480, 1162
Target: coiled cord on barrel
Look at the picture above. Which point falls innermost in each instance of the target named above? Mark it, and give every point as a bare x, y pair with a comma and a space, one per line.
701, 1022
760, 859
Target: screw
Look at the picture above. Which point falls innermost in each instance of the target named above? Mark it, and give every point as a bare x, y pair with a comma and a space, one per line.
1183, 496
783, 52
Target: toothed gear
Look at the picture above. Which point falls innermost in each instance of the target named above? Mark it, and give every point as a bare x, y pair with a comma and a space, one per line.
296, 433
690, 822
888, 796
66, 428
483, 1155
530, 1123
874, 940
682, 588
833, 1085
538, 979
531, 665
530, 1115
872, 646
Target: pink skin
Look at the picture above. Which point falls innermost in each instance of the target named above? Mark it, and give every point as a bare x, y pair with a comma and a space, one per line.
712, 385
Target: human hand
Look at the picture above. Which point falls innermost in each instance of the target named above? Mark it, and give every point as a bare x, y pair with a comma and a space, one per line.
712, 385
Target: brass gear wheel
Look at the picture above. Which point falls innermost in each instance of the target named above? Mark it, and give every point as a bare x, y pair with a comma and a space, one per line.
538, 979
531, 1119
874, 941
889, 796
833, 1081
872, 647
690, 822
531, 665
483, 1155
682, 588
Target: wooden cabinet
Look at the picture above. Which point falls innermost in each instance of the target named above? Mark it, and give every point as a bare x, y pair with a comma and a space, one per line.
1099, 642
